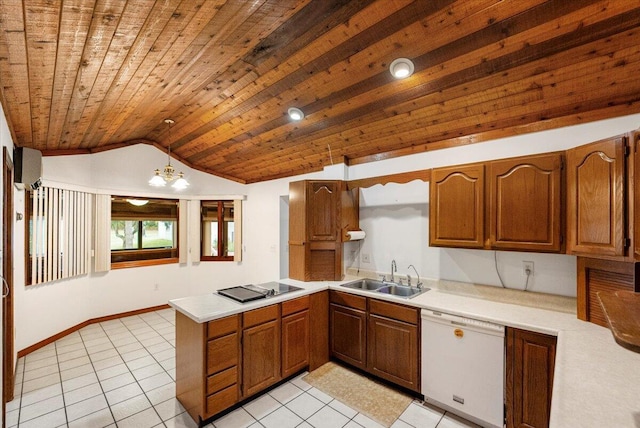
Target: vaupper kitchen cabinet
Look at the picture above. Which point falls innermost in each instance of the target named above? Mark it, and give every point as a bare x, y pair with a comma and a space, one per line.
510, 204
597, 198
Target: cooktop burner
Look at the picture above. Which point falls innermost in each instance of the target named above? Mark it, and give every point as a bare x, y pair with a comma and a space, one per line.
249, 292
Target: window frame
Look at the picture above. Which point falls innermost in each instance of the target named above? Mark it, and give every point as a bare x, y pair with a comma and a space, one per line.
221, 231
127, 258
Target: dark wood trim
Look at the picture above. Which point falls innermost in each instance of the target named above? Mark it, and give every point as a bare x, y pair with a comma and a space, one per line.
140, 263
8, 348
77, 327
401, 178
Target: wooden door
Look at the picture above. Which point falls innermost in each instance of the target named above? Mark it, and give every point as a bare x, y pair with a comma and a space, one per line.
392, 351
295, 343
525, 203
7, 287
596, 192
323, 199
530, 363
456, 207
261, 357
348, 335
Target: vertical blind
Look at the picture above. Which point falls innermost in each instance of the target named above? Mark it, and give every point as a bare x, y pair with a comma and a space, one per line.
60, 224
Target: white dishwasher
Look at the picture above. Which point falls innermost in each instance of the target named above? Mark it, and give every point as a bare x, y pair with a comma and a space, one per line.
463, 366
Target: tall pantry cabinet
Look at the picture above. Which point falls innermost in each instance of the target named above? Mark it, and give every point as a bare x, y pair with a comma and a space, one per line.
320, 211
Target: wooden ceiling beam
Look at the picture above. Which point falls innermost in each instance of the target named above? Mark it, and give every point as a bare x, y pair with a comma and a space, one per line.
433, 98
442, 54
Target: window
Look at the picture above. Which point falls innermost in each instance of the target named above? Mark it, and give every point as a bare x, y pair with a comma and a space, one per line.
143, 231
58, 234
218, 232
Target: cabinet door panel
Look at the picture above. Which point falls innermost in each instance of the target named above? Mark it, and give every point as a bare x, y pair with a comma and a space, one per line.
393, 351
322, 210
261, 357
526, 203
456, 207
348, 335
530, 365
596, 198
295, 343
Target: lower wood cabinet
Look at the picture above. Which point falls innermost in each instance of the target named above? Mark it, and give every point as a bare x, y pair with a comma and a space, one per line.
221, 362
295, 335
348, 328
392, 345
377, 336
530, 364
207, 359
260, 349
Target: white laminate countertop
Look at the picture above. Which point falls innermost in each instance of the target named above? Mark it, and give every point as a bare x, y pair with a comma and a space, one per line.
596, 382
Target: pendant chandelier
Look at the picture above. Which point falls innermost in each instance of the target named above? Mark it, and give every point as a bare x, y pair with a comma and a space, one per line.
168, 174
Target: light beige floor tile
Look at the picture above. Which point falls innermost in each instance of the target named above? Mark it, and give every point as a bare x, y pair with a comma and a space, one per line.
327, 418
130, 407
305, 405
146, 418
285, 392
281, 418
81, 394
86, 407
53, 419
262, 406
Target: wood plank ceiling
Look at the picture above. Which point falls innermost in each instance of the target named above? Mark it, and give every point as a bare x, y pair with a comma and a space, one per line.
81, 76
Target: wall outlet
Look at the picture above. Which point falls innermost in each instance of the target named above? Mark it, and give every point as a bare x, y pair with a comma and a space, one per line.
366, 258
527, 268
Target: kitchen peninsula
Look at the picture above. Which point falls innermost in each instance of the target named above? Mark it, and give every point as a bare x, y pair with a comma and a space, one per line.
595, 382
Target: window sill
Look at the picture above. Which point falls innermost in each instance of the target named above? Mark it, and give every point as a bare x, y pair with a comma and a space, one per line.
216, 259
140, 263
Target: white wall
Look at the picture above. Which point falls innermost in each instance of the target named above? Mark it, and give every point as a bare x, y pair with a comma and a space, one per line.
395, 220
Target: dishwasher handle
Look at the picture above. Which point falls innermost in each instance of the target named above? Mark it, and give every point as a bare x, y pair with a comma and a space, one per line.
459, 321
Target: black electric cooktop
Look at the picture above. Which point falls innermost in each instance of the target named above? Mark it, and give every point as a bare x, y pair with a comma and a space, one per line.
249, 292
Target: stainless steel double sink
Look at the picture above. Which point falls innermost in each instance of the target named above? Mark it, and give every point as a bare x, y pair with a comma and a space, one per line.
383, 287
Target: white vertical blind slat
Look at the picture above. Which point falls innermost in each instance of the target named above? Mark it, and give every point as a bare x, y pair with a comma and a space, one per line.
183, 216
34, 236
55, 220
67, 233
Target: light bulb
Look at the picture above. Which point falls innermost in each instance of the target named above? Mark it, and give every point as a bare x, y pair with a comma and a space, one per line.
295, 113
401, 68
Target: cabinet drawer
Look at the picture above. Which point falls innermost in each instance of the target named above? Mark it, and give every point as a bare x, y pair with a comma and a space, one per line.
222, 327
259, 316
394, 311
295, 305
222, 400
222, 380
349, 300
222, 353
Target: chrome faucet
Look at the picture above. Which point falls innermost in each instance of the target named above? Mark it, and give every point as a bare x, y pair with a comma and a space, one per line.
394, 268
419, 284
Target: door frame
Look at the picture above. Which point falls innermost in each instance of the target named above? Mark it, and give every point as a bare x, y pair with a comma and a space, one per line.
8, 375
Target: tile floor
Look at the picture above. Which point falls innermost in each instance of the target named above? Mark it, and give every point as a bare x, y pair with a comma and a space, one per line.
121, 373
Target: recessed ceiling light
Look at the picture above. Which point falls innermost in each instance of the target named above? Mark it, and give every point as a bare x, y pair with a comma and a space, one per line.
295, 113
401, 68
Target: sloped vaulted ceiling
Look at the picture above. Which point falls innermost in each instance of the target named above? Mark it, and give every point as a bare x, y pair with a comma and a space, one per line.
80, 76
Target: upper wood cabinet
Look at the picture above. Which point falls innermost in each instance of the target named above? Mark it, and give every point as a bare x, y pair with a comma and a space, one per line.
596, 201
456, 207
525, 203
510, 204
319, 214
